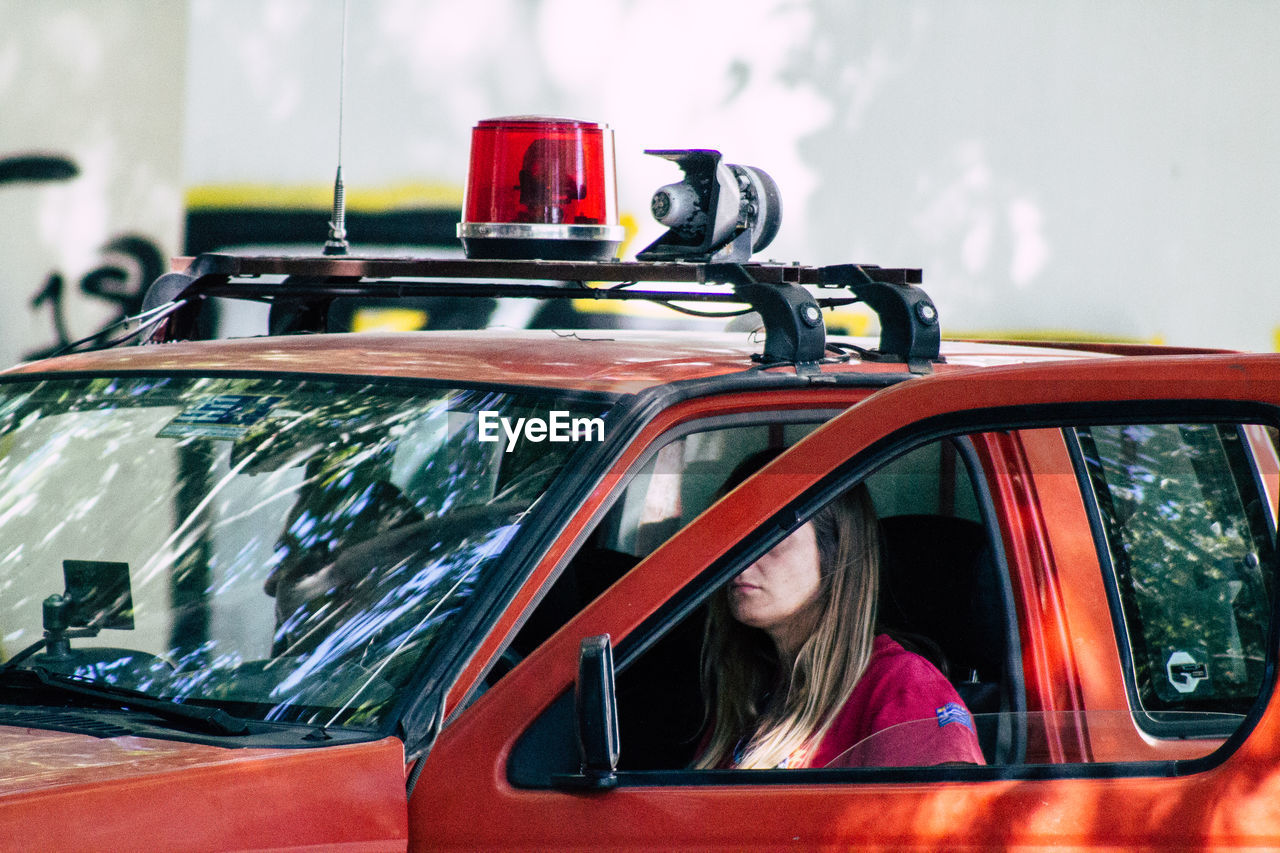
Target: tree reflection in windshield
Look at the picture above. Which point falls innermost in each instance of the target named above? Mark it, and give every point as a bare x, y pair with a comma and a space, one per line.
295, 546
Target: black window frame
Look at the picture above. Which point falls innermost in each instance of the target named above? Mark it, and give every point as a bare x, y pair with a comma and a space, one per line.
551, 734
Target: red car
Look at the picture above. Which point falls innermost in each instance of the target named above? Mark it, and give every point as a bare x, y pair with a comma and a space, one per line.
429, 590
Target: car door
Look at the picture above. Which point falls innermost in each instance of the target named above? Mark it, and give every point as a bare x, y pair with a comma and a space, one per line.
504, 773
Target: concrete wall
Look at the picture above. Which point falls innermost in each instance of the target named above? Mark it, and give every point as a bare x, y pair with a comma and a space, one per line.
1075, 167
103, 83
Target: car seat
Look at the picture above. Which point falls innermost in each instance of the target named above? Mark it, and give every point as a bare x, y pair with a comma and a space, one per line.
940, 589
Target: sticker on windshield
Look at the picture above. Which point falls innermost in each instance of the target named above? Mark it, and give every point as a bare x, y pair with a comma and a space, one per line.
221, 416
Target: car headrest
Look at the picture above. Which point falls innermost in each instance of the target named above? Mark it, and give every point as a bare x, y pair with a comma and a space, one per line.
937, 579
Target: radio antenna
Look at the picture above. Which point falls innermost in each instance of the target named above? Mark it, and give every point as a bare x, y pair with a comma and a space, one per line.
337, 242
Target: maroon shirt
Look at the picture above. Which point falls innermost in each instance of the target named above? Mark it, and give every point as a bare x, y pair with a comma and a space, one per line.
917, 717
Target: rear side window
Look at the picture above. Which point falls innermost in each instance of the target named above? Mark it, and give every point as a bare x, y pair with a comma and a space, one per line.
1187, 532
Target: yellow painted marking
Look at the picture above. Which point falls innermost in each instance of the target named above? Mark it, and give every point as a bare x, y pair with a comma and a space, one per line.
319, 196
848, 321
389, 320
1050, 336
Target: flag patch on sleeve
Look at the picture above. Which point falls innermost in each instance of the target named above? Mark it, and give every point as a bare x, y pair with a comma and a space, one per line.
954, 712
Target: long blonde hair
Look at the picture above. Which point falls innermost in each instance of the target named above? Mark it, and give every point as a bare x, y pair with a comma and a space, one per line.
762, 715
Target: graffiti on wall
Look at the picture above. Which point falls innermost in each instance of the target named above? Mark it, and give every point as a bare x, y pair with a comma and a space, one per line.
127, 263
127, 266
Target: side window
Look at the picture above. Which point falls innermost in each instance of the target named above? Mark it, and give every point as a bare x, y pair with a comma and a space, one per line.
939, 600
676, 483
1187, 534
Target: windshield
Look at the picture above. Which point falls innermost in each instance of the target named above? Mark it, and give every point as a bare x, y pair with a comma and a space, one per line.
286, 548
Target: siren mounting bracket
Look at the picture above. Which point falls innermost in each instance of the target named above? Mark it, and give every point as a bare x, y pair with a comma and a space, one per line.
788, 297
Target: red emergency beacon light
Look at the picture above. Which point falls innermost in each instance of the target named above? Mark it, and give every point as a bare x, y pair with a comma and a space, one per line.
541, 187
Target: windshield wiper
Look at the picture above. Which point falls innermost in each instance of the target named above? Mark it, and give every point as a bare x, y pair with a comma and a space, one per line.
208, 720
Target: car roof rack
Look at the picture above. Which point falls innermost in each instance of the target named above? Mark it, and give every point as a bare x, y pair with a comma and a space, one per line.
794, 331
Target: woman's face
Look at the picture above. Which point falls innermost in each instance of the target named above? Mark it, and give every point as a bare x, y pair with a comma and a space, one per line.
780, 592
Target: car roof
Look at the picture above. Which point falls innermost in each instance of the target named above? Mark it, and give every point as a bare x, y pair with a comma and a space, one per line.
616, 361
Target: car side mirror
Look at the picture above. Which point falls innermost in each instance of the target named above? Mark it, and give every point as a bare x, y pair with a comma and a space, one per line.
596, 716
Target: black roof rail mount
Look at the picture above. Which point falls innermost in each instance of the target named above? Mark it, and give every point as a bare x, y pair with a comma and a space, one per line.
792, 313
